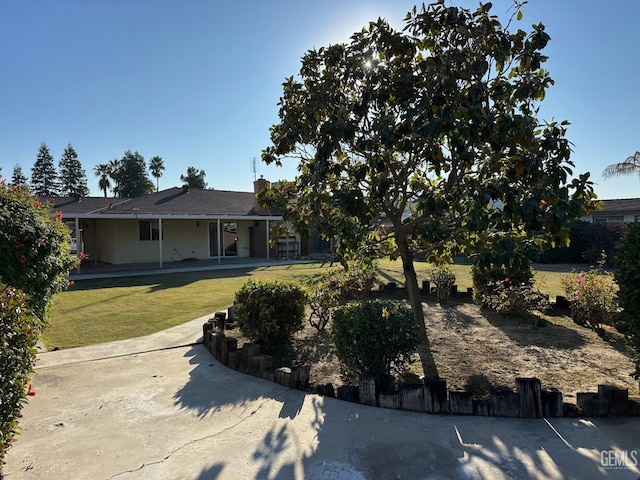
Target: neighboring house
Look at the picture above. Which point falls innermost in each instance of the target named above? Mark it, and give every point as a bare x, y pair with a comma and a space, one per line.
621, 210
174, 225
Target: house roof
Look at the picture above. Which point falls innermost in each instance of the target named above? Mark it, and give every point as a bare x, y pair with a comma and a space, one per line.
171, 202
619, 206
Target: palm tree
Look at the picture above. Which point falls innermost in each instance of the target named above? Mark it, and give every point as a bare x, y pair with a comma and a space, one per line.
156, 166
630, 166
103, 171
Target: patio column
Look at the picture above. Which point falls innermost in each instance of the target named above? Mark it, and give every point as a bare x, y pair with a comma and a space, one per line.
267, 239
78, 243
219, 243
160, 239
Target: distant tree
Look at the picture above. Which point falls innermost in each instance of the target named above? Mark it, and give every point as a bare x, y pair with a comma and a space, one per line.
103, 172
194, 178
73, 179
427, 142
44, 178
156, 167
131, 176
630, 166
18, 178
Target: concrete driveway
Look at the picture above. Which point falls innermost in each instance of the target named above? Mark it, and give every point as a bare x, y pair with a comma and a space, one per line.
160, 407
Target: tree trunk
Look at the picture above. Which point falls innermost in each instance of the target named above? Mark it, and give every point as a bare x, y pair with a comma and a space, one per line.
411, 283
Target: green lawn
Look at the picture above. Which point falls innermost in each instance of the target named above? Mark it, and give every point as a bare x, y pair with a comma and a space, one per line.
97, 311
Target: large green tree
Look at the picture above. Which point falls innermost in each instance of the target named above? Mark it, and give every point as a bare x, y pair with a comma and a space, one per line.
427, 141
194, 178
44, 178
130, 176
156, 167
72, 177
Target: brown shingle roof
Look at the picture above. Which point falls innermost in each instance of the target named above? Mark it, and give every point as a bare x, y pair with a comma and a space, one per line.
173, 201
620, 206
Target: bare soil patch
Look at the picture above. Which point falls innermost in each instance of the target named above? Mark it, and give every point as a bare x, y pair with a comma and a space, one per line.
474, 349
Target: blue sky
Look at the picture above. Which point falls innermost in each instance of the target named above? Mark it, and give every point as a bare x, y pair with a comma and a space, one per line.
197, 82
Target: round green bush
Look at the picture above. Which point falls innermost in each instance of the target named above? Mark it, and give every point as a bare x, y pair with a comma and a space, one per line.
374, 338
270, 312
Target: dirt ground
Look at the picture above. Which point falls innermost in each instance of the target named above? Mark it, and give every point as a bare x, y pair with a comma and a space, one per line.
475, 349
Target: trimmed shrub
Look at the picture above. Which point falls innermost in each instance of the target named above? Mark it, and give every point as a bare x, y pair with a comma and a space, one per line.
338, 288
628, 279
374, 338
592, 296
270, 312
443, 279
509, 291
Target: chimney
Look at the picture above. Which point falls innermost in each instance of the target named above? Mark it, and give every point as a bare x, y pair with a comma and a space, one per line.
185, 188
259, 185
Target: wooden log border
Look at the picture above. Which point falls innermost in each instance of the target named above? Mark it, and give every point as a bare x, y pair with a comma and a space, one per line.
528, 400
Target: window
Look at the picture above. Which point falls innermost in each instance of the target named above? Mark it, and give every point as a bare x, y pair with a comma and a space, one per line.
149, 230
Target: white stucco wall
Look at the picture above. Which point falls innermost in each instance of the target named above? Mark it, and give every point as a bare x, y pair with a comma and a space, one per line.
117, 241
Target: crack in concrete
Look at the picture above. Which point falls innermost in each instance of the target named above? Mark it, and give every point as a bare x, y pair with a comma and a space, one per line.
191, 442
128, 354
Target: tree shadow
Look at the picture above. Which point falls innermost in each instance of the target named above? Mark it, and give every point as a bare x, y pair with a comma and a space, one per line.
316, 437
212, 472
212, 386
522, 331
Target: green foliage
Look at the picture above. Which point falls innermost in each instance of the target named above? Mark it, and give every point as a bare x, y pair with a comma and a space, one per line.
271, 311
18, 178
34, 248
194, 178
338, 288
156, 167
443, 279
588, 240
130, 176
628, 279
508, 289
435, 129
592, 296
19, 330
486, 278
44, 178
34, 265
374, 338
73, 179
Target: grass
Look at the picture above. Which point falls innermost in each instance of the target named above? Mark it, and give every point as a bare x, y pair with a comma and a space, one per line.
104, 310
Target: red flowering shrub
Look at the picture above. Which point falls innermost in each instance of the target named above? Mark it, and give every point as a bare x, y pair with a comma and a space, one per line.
35, 260
19, 330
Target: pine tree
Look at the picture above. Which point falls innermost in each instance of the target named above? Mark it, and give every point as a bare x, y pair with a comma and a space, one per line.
18, 179
194, 178
73, 179
44, 178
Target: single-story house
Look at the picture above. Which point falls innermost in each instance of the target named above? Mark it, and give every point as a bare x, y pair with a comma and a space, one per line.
620, 210
173, 225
